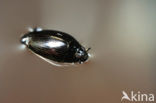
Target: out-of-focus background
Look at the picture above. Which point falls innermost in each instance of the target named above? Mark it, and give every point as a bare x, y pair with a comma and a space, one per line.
121, 33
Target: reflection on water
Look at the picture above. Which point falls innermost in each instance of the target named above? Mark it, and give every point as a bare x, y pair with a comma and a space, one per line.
120, 33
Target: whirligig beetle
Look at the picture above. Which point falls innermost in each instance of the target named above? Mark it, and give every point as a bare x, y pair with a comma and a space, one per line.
55, 45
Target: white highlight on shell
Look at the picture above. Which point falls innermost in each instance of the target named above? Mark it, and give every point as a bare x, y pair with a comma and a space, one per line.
26, 40
30, 29
39, 29
53, 44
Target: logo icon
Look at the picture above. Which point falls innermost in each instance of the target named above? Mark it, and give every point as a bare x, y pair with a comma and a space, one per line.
125, 96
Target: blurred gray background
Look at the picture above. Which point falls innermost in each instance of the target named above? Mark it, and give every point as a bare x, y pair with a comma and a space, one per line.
122, 36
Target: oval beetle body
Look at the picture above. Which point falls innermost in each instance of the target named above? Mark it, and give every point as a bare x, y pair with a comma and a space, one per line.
55, 45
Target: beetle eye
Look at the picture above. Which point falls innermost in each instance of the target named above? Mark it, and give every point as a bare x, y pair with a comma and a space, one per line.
79, 53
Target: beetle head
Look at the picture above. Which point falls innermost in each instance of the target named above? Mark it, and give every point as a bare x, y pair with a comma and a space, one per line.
81, 54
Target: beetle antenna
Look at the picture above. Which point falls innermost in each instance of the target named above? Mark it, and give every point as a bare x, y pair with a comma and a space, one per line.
88, 49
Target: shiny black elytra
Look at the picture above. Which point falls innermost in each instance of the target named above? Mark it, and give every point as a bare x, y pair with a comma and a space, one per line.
55, 45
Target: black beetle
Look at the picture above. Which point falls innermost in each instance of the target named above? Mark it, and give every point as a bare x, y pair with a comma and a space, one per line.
55, 45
